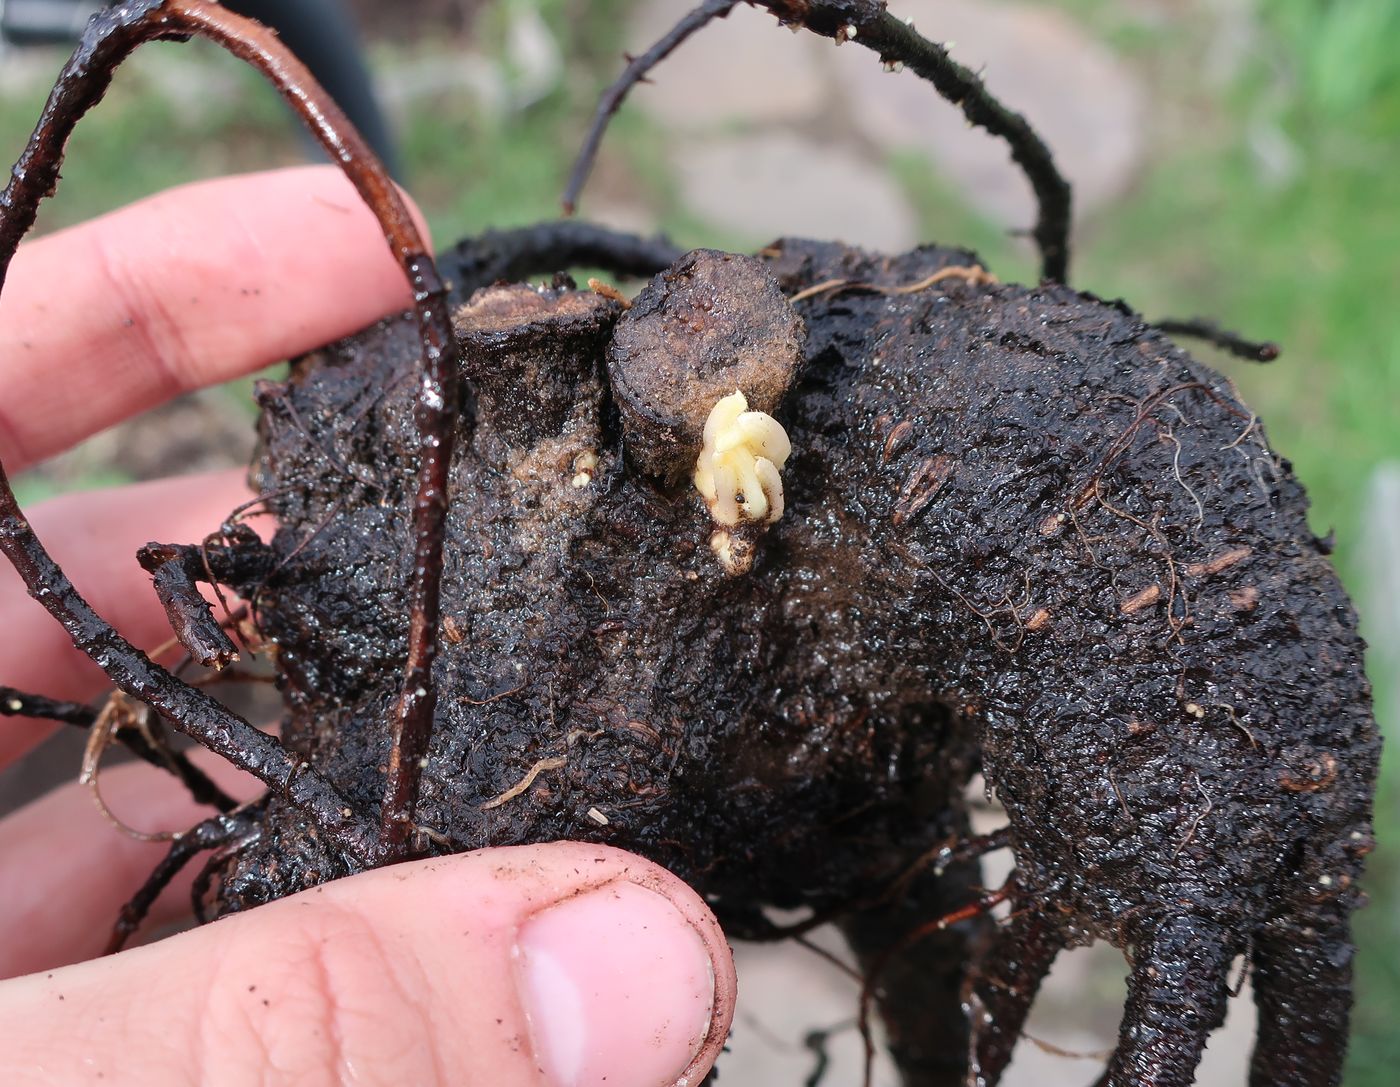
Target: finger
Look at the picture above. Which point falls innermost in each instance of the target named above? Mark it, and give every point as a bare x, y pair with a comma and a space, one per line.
67, 870
192, 287
95, 538
558, 964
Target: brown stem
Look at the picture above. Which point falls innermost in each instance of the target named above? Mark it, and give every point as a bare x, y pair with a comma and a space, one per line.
1202, 329
435, 412
210, 834
868, 24
154, 751
635, 72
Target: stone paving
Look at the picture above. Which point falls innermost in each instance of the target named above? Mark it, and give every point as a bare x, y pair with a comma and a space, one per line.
765, 184
771, 133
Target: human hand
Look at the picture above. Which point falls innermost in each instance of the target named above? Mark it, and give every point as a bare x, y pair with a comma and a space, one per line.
558, 964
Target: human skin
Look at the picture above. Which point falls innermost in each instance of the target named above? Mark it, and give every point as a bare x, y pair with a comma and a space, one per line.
556, 964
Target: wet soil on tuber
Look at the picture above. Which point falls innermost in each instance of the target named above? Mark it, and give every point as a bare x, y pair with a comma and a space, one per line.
1025, 534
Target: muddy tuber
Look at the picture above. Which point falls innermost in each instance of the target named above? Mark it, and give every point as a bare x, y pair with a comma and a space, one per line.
517, 594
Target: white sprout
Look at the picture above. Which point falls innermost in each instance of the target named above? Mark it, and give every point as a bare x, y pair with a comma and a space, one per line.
737, 473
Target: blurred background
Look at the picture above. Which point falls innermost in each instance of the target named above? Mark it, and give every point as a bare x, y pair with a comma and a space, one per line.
1236, 159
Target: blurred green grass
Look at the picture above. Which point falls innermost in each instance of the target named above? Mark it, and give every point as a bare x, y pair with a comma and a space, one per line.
1272, 204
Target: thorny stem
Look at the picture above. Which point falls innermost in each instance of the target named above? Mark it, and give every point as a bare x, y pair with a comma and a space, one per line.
635, 72
110, 37
896, 42
1202, 329
202, 788
868, 23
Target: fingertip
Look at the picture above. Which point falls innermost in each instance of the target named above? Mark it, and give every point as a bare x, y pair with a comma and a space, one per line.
620, 971
420, 972
619, 986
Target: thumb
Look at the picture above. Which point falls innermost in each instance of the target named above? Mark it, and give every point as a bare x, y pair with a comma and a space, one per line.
563, 964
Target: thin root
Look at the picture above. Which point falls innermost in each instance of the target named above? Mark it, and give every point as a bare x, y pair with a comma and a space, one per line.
495, 697
1195, 822
635, 72
554, 762
973, 274
120, 712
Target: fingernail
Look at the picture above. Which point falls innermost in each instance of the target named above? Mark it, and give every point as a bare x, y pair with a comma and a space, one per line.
618, 988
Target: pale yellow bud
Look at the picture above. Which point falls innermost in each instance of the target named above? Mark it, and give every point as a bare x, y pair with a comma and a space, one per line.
737, 472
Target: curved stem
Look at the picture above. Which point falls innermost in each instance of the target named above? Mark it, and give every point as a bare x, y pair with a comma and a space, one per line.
899, 43
868, 24
521, 252
635, 72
